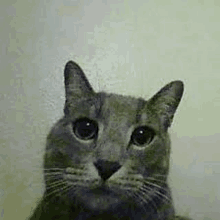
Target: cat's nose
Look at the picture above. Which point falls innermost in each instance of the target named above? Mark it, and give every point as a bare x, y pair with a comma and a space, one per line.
106, 168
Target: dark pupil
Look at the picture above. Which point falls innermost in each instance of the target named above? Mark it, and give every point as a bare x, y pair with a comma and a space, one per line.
85, 128
142, 135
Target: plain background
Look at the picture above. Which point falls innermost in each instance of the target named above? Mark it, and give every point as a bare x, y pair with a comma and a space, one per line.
127, 47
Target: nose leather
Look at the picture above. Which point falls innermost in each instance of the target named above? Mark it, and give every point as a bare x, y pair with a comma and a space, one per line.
106, 168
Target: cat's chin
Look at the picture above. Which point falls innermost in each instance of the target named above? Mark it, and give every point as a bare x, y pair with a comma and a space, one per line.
100, 200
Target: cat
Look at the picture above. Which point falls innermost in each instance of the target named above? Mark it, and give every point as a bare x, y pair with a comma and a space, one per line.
108, 157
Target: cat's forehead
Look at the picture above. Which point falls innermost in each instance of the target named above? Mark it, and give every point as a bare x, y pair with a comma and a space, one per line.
120, 103
114, 105
109, 106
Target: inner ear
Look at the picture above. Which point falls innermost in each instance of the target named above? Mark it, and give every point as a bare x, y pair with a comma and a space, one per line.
76, 83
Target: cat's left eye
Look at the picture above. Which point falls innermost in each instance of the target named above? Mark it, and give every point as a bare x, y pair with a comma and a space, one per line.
85, 128
142, 135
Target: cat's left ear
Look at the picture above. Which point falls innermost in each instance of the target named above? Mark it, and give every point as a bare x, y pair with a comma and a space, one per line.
166, 101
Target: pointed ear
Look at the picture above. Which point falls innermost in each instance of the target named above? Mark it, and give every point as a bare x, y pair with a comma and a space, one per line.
166, 101
76, 84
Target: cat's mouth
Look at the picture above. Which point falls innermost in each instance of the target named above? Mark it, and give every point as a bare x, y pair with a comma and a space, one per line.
100, 199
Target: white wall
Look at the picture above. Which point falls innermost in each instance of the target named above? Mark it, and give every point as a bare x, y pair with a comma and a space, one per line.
128, 47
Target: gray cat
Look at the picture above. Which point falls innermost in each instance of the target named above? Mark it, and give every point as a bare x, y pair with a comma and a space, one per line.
108, 157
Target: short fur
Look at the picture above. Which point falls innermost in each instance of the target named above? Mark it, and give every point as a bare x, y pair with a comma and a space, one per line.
111, 175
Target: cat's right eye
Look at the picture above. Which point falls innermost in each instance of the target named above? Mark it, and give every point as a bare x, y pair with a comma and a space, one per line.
85, 128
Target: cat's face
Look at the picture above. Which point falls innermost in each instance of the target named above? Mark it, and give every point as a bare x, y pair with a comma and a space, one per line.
109, 150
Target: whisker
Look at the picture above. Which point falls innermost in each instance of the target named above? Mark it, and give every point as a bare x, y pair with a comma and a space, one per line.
71, 183
43, 170
147, 199
54, 168
145, 193
161, 195
66, 189
164, 196
157, 186
132, 194
139, 199
56, 190
162, 175
153, 184
52, 173
151, 178
55, 183
154, 204
52, 178
54, 193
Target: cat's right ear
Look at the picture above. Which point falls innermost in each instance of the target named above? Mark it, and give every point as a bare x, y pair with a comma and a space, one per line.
76, 84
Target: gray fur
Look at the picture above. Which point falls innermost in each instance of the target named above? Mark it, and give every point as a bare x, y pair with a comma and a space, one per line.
109, 176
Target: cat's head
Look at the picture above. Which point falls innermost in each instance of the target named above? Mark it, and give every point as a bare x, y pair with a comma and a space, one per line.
109, 144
